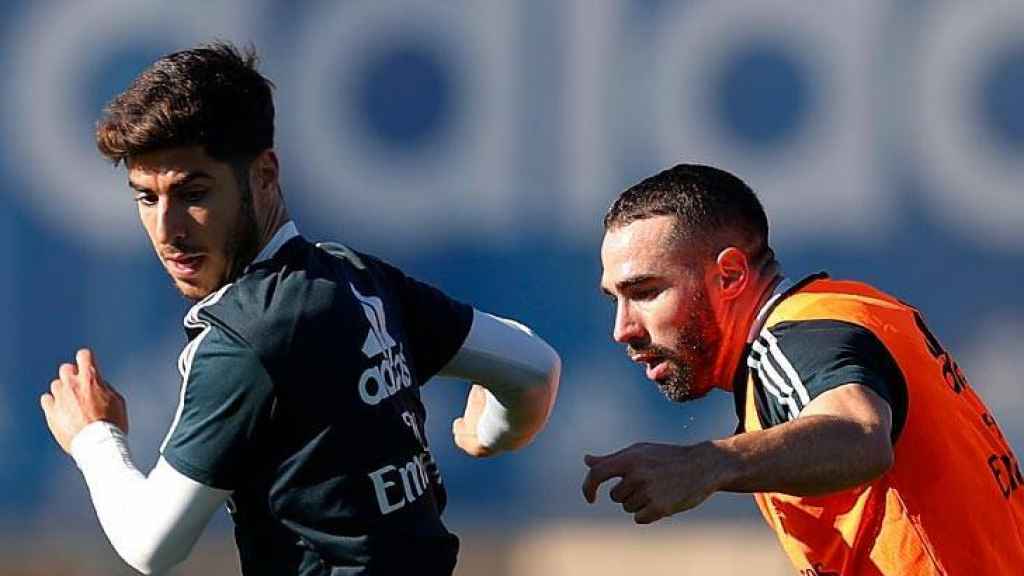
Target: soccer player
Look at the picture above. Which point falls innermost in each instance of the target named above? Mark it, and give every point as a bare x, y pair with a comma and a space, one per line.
300, 404
865, 448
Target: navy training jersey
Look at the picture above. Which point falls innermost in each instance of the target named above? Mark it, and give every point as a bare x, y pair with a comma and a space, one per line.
301, 395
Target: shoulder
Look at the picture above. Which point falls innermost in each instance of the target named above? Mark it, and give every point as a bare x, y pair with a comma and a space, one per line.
259, 306
796, 361
798, 353
804, 339
303, 283
841, 300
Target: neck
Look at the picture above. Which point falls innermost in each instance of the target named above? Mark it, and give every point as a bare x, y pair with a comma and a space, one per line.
276, 216
737, 321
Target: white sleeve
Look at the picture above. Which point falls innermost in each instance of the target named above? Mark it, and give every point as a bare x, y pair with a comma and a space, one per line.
152, 522
520, 373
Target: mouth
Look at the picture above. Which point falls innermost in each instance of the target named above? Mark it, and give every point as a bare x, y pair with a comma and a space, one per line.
184, 266
657, 367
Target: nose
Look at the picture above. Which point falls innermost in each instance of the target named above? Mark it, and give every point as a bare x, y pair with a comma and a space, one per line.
628, 326
170, 221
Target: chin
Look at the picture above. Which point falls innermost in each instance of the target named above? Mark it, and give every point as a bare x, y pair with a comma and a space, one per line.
680, 392
193, 292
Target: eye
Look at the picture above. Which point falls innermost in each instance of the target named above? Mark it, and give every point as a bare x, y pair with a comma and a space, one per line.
146, 198
194, 195
644, 294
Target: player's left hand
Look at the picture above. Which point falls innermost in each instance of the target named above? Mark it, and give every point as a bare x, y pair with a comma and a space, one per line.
79, 397
657, 480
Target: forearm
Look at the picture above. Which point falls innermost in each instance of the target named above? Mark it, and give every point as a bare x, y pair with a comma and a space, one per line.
520, 373
809, 456
151, 522
516, 411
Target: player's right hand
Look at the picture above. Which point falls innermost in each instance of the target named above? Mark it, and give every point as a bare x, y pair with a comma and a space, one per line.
464, 429
657, 480
79, 397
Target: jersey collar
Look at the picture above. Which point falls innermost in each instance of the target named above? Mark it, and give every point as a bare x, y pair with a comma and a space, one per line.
286, 232
783, 288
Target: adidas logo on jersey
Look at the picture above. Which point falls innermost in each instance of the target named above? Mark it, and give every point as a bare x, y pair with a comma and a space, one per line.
391, 374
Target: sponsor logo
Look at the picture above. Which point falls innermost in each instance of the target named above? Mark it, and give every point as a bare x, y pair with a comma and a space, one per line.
395, 486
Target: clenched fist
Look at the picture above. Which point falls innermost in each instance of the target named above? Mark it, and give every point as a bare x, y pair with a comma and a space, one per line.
464, 429
79, 397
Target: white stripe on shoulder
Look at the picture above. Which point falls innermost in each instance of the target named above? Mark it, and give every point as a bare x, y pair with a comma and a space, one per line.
765, 363
188, 354
780, 357
192, 318
785, 399
774, 385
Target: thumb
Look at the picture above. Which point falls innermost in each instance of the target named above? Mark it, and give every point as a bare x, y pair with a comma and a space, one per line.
459, 426
591, 460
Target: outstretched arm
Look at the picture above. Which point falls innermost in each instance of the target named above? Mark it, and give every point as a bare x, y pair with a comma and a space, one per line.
515, 375
153, 521
840, 440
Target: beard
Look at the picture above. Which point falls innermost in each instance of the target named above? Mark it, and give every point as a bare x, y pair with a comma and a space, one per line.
240, 249
243, 242
692, 357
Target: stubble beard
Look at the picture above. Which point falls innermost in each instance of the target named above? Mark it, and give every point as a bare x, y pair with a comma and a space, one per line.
693, 355
243, 242
240, 248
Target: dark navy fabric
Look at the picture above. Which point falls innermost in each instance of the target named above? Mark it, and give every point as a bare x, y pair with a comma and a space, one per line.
820, 355
301, 395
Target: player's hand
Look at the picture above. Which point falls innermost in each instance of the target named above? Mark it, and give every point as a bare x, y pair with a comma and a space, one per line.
657, 480
464, 429
79, 397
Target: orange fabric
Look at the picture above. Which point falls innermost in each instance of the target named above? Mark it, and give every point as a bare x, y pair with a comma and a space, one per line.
953, 502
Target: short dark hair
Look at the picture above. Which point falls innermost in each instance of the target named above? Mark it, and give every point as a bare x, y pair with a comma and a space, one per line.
713, 208
211, 96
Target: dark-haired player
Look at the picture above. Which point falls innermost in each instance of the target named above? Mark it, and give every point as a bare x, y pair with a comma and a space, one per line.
300, 403
865, 447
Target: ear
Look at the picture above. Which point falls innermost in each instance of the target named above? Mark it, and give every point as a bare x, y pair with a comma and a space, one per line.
733, 269
263, 174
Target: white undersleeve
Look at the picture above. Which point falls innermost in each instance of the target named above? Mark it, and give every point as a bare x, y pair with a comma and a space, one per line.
153, 521
520, 372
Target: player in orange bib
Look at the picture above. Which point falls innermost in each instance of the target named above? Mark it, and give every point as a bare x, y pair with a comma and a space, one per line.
867, 450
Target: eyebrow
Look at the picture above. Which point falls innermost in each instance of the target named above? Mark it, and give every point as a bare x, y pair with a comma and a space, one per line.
628, 283
184, 181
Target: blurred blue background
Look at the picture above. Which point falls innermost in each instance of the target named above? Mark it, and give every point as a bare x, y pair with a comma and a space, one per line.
476, 144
